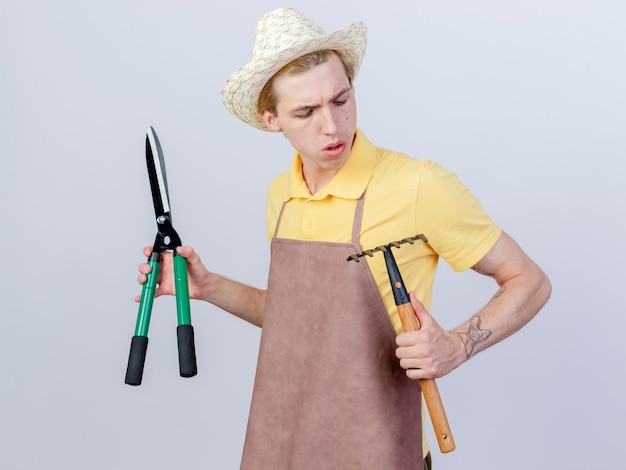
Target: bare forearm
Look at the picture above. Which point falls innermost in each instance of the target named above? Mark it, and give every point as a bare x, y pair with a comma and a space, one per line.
523, 289
243, 301
517, 301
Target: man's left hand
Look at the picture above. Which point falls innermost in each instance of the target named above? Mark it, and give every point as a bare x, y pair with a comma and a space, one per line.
430, 352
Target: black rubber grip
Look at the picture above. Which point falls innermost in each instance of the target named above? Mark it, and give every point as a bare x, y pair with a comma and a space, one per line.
136, 360
186, 351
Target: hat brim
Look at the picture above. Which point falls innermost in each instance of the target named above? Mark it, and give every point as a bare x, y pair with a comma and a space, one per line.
241, 91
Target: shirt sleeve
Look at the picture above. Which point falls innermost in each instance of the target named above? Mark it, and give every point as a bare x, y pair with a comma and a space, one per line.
457, 227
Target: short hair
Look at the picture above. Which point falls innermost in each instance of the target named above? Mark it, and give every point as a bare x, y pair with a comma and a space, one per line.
268, 99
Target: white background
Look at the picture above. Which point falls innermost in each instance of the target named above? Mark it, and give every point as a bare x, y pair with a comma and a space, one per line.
524, 100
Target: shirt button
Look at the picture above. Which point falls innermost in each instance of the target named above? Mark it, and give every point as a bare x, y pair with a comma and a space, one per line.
310, 204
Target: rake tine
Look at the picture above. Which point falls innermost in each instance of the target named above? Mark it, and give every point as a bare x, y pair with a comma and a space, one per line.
383, 248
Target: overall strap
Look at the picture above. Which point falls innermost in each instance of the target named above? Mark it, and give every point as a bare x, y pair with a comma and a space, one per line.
358, 217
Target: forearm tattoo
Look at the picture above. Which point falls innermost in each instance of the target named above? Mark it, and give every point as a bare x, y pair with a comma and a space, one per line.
499, 293
474, 336
483, 272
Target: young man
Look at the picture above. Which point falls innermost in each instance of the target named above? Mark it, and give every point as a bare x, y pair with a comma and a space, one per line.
333, 386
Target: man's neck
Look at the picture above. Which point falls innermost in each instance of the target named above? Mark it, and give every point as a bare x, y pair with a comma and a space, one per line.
317, 180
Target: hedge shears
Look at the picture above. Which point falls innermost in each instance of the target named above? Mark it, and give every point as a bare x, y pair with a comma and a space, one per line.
166, 239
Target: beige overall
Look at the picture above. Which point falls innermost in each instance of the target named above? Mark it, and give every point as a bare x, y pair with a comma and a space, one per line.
329, 392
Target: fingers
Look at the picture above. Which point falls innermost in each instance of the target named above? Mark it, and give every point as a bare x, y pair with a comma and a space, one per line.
186, 252
416, 357
165, 281
416, 367
144, 269
418, 374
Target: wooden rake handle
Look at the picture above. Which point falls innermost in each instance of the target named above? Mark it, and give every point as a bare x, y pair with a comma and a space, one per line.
429, 388
410, 322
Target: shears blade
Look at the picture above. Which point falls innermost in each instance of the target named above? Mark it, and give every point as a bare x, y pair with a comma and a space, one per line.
156, 173
166, 239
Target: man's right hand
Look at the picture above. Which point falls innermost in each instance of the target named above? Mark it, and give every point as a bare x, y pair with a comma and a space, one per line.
197, 274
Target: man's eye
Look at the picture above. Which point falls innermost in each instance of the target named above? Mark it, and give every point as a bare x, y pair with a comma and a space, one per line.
341, 102
305, 115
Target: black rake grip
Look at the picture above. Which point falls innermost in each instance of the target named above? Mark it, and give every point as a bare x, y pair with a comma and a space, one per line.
136, 360
186, 351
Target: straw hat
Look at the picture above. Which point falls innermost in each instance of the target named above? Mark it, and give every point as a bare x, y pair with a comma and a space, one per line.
283, 35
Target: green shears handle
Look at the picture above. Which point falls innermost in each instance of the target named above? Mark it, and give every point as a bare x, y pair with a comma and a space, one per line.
186, 344
185, 334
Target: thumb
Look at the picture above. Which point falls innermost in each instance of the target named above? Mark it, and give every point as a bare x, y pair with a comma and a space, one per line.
194, 263
420, 311
188, 253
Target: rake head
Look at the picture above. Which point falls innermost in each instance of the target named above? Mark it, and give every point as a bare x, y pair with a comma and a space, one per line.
383, 248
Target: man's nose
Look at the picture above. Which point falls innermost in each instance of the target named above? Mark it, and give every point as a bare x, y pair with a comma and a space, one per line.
328, 124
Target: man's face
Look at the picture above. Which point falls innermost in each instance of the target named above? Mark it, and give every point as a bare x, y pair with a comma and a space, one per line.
316, 110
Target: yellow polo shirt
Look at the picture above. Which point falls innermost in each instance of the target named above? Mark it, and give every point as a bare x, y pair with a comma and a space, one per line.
403, 197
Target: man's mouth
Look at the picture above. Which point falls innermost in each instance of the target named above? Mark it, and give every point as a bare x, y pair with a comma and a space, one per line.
335, 150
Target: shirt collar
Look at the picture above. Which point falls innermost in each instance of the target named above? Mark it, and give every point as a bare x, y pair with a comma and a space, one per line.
349, 182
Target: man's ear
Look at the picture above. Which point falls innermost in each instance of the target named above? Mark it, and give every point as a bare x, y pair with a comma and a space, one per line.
271, 122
